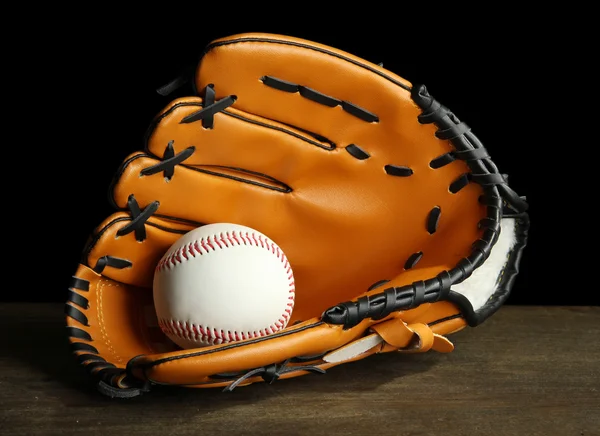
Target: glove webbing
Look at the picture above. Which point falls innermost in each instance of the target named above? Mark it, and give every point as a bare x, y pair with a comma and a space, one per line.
496, 191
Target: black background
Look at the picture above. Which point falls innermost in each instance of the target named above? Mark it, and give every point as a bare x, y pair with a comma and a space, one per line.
88, 96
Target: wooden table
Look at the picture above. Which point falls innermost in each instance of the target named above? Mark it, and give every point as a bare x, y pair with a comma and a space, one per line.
526, 371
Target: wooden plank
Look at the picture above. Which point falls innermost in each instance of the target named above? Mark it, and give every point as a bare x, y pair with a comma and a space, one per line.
526, 371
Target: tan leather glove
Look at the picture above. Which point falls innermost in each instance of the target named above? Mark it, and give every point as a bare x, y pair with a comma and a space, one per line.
399, 227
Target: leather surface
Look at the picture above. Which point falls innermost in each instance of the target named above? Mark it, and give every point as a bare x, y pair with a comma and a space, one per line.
268, 163
349, 218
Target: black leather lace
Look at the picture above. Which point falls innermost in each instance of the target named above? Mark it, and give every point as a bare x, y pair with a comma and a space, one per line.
468, 147
169, 161
271, 373
138, 218
210, 108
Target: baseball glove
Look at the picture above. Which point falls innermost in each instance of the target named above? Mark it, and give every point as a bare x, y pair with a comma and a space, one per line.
399, 227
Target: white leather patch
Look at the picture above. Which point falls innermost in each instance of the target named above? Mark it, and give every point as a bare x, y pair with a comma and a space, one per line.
353, 349
482, 284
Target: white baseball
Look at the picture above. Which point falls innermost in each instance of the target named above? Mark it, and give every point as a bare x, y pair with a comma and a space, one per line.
221, 283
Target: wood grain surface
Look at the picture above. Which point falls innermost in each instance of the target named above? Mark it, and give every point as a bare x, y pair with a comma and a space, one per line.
525, 371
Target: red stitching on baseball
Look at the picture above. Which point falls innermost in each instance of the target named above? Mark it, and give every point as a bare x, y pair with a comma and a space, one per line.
199, 333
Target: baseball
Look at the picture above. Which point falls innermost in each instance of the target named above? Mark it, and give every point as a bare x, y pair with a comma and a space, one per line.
222, 283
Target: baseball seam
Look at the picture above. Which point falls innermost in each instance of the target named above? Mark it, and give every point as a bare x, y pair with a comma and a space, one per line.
204, 246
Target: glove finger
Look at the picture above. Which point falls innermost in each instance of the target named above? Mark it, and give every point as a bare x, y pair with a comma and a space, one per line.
239, 140
314, 88
195, 194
